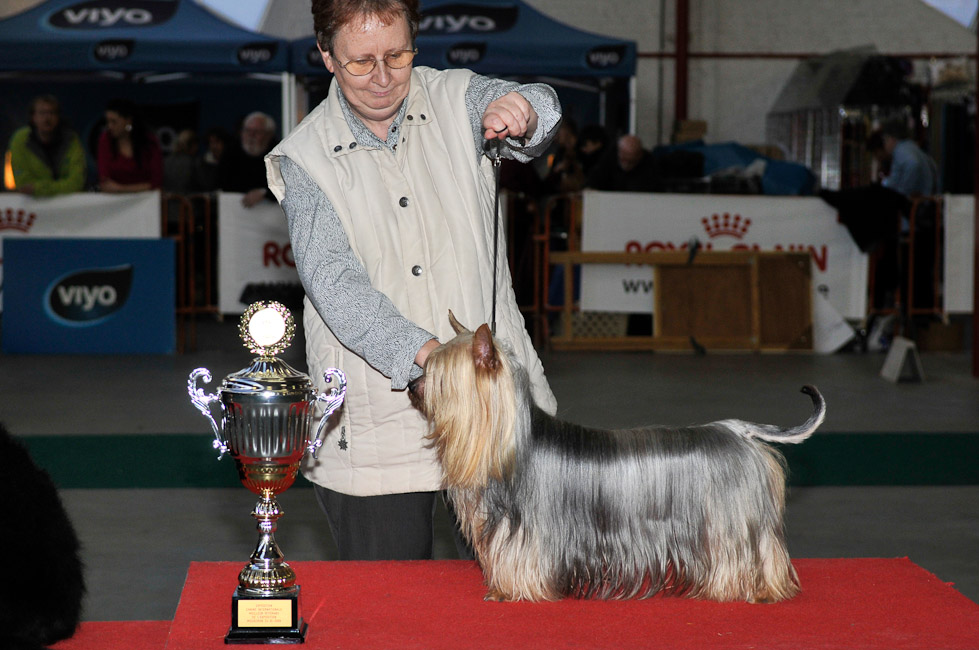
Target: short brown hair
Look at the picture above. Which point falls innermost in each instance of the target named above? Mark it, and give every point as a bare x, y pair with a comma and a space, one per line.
50, 100
329, 16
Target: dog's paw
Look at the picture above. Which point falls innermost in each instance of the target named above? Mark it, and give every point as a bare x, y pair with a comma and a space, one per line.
496, 596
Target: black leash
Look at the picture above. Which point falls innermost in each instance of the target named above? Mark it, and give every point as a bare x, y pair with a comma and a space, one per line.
495, 144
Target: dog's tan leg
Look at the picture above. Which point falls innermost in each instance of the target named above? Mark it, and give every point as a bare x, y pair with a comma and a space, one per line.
495, 595
778, 579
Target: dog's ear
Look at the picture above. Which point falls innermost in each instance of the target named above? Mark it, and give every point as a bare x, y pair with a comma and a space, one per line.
484, 352
458, 327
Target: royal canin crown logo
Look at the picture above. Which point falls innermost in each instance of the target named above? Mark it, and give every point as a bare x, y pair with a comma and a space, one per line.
21, 220
726, 225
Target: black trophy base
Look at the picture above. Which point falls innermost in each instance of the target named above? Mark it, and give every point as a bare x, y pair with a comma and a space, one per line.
266, 619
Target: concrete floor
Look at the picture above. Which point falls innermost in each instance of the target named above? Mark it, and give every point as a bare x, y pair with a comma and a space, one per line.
139, 543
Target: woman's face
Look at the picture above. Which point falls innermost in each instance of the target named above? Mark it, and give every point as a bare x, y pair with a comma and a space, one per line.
376, 96
115, 124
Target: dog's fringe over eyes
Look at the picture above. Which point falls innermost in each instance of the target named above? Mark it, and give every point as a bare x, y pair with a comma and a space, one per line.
553, 509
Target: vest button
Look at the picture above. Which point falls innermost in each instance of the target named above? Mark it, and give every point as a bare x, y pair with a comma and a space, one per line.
416, 270
337, 148
423, 116
403, 202
353, 144
411, 117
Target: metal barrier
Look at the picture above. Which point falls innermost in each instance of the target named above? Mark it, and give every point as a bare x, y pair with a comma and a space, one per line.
922, 244
190, 220
560, 232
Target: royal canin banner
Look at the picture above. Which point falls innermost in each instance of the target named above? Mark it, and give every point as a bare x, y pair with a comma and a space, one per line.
254, 249
84, 214
619, 221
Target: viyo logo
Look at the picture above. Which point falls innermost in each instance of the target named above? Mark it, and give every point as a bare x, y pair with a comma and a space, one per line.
102, 14
256, 53
467, 19
605, 56
116, 50
466, 53
90, 296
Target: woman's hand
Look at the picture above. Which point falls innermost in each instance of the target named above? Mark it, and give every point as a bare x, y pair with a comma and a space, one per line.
509, 116
109, 185
424, 351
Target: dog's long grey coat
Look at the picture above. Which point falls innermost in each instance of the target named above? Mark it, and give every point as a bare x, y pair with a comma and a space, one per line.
582, 512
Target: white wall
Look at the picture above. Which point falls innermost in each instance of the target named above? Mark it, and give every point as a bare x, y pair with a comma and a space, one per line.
734, 95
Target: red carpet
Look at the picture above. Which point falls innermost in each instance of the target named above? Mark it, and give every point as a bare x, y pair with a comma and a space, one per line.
121, 635
866, 604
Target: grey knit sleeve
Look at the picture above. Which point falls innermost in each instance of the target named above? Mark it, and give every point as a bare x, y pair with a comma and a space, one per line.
484, 90
362, 318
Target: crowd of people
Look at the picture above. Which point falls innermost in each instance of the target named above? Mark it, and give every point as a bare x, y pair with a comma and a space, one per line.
46, 157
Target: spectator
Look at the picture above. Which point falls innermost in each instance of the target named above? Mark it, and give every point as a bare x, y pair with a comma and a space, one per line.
632, 169
46, 158
592, 141
244, 170
180, 169
129, 156
564, 173
912, 171
213, 159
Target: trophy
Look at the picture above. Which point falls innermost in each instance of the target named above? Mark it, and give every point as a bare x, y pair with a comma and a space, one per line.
266, 412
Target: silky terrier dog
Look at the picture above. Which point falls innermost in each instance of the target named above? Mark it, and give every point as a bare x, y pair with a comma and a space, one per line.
554, 509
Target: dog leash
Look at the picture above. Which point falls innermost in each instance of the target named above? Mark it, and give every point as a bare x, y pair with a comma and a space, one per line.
497, 161
494, 145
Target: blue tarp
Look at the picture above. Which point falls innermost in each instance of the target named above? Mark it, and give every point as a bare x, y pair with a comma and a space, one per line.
780, 177
133, 36
500, 37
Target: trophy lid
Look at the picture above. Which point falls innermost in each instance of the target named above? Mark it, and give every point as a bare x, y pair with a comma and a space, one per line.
267, 328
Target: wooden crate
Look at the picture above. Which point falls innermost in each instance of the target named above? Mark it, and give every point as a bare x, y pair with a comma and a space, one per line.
748, 300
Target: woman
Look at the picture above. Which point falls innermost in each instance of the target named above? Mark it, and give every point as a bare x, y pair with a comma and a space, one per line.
390, 206
129, 156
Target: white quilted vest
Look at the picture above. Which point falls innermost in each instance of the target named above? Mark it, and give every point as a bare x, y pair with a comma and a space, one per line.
421, 222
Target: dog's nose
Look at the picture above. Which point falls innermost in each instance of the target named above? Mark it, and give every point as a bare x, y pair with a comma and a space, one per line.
415, 384
416, 393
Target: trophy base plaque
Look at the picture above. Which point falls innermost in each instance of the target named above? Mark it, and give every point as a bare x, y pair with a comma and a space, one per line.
264, 619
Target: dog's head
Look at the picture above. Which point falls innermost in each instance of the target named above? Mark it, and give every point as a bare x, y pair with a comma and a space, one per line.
467, 396
482, 354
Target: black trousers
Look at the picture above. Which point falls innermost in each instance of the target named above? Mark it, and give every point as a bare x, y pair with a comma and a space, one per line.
385, 527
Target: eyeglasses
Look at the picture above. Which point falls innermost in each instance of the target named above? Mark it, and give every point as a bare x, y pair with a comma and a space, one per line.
394, 60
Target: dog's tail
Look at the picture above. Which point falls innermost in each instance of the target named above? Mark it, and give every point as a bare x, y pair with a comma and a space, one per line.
794, 435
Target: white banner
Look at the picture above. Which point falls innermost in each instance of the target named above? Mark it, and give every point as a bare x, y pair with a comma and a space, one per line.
618, 221
85, 214
960, 247
253, 248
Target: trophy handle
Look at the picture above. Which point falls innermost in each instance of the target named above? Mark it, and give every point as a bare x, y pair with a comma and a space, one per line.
203, 401
333, 399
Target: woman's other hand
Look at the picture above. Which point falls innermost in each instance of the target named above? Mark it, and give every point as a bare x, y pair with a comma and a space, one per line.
509, 116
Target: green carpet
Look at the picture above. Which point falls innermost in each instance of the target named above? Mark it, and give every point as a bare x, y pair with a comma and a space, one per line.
188, 461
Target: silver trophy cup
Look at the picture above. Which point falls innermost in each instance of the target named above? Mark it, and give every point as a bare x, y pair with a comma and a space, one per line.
266, 412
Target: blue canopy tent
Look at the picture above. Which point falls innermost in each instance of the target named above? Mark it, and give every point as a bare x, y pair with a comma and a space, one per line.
133, 36
503, 37
88, 50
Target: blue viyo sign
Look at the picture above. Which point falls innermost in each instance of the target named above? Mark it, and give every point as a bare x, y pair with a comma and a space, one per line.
88, 296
